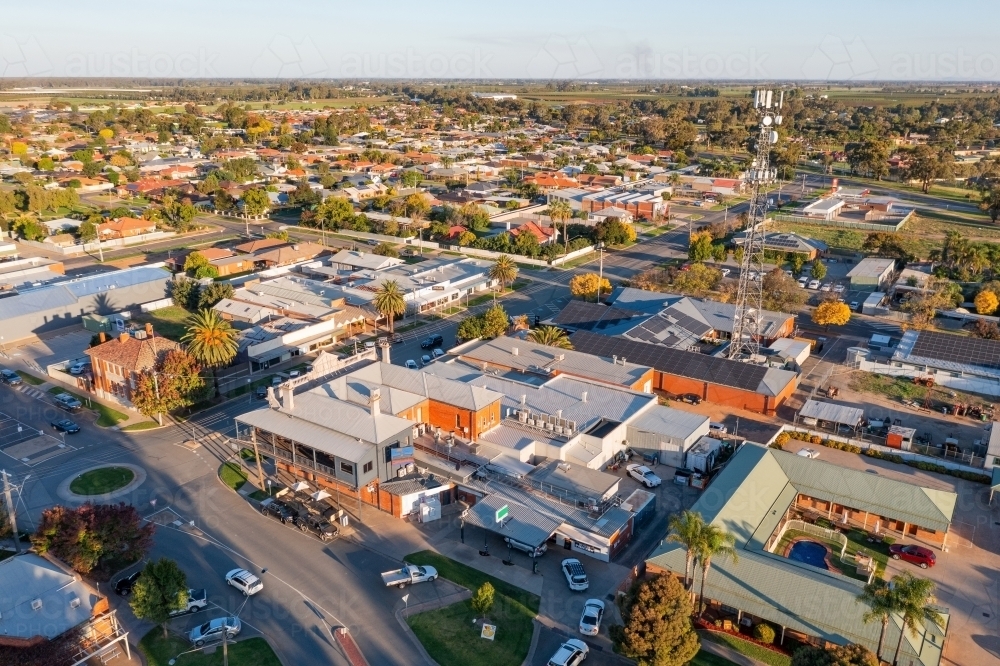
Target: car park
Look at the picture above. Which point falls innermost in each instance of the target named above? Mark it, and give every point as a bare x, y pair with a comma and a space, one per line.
411, 364
65, 425
369, 344
277, 509
432, 341
214, 630
426, 359
922, 557
803, 281
590, 619
10, 377
643, 475
244, 581
838, 288
124, 585
525, 548
437, 352
825, 287
67, 402
813, 284
570, 653
575, 575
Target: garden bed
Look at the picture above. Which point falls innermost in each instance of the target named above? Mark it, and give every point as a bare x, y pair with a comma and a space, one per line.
769, 654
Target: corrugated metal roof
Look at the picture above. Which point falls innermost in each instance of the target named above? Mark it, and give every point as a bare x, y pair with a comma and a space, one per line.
440, 389
308, 433
671, 422
522, 524
832, 412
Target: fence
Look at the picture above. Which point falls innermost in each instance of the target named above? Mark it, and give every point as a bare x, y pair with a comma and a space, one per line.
846, 224
110, 244
812, 530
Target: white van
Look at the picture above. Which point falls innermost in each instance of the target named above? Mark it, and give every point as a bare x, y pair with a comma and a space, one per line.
717, 428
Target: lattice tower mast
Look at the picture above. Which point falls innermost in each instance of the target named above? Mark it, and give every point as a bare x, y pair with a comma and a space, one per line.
747, 321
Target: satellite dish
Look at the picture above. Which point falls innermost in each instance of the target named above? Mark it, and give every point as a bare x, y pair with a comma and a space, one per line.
767, 121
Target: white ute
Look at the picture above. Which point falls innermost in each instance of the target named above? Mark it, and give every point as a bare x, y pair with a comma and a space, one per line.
409, 575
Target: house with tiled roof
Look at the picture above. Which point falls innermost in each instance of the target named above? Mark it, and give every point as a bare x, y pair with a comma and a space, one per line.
259, 244
117, 364
544, 235
125, 227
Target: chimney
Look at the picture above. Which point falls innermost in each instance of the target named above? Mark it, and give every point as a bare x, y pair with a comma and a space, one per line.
374, 401
385, 353
287, 397
524, 399
123, 336
149, 329
583, 398
513, 351
103, 337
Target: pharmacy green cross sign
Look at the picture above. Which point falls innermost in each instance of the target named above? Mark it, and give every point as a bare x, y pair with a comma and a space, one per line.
502, 513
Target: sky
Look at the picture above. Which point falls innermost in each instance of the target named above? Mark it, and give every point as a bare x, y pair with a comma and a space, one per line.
848, 40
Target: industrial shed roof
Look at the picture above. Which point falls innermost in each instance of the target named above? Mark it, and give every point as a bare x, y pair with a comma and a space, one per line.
832, 412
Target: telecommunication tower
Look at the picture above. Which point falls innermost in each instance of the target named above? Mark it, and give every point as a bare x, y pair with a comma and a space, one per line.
747, 322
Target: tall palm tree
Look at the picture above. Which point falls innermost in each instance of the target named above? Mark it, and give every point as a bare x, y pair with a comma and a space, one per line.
882, 603
550, 336
686, 528
389, 302
210, 339
503, 270
915, 597
714, 542
560, 210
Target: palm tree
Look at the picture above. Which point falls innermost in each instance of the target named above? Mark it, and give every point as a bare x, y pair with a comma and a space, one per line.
503, 270
550, 336
915, 598
389, 301
560, 210
882, 603
210, 339
686, 528
714, 542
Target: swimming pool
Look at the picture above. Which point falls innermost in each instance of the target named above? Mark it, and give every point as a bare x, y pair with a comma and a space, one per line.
809, 552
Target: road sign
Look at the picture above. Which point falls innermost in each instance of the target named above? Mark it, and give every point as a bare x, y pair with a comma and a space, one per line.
489, 631
502, 513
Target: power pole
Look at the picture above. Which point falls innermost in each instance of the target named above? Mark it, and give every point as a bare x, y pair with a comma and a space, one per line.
10, 511
747, 321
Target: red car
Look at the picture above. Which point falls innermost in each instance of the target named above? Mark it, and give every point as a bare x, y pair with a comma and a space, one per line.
924, 557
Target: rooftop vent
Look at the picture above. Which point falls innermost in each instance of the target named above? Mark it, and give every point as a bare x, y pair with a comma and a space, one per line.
36, 604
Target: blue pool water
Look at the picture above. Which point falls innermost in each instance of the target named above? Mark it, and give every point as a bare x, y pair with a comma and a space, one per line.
809, 552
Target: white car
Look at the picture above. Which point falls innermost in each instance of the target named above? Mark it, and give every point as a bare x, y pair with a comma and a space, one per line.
717, 428
803, 281
825, 287
808, 453
570, 653
411, 364
813, 284
213, 630
725, 272
78, 368
643, 475
838, 288
590, 619
753, 275
576, 577
245, 582
854, 306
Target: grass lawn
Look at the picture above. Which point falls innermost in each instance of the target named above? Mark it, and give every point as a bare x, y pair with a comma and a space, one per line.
107, 416
143, 425
103, 480
232, 475
580, 261
31, 379
409, 327
751, 650
656, 231
168, 321
159, 651
245, 388
448, 633
708, 659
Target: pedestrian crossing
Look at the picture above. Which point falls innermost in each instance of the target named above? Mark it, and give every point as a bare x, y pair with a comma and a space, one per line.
31, 391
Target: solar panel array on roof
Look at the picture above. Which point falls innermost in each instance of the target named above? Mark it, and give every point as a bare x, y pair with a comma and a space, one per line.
722, 371
588, 316
689, 323
955, 349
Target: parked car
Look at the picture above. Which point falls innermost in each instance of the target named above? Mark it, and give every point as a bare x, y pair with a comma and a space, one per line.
260, 392
854, 306
813, 284
278, 509
717, 428
691, 398
276, 380
411, 364
576, 577
825, 287
369, 344
838, 288
437, 352
432, 341
318, 525
643, 475
294, 373
67, 402
409, 575
570, 653
10, 377
426, 359
808, 453
213, 630
725, 272
124, 585
372, 241
396, 338
922, 557
525, 548
78, 368
197, 600
590, 619
245, 582
803, 281
65, 425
